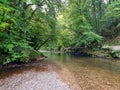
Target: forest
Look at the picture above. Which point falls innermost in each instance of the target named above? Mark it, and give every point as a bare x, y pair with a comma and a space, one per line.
59, 44
26, 26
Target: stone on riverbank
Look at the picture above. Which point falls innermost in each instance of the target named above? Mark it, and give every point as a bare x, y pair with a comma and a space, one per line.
34, 80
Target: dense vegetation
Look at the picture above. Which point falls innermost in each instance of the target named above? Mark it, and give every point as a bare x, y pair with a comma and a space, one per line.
89, 22
27, 25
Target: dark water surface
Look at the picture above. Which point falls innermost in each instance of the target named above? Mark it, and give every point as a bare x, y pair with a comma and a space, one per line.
90, 73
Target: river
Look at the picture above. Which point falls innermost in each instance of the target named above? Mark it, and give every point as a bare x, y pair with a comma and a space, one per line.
83, 73
90, 73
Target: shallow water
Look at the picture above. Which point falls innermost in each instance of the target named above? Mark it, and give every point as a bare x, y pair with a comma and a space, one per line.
90, 73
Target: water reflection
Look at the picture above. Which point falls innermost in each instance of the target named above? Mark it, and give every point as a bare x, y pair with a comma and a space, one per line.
110, 65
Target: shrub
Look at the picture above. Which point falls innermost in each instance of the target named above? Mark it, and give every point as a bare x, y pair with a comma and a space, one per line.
89, 40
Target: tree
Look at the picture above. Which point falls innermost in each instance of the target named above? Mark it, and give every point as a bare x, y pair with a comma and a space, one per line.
110, 19
81, 22
18, 28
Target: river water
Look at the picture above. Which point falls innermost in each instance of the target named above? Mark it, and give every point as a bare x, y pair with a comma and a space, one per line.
84, 73
90, 73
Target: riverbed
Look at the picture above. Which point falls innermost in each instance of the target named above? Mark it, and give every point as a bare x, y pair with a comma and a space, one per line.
36, 76
64, 72
89, 73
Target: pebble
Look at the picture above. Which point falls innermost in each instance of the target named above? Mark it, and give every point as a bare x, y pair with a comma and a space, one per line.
29, 80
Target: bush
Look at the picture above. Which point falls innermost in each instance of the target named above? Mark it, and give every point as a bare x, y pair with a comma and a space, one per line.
14, 52
89, 40
115, 54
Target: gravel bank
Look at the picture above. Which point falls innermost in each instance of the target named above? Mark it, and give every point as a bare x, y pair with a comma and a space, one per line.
34, 80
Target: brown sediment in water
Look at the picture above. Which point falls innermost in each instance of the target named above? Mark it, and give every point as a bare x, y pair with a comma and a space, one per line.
96, 81
85, 81
67, 76
88, 74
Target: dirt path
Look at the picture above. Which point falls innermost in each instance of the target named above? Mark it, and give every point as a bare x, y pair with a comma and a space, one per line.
115, 47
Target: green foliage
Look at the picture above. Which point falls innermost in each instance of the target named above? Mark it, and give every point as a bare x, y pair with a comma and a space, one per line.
23, 27
110, 20
3, 25
12, 51
80, 23
65, 39
89, 40
26, 26
35, 54
41, 30
14, 45
78, 18
114, 54
43, 24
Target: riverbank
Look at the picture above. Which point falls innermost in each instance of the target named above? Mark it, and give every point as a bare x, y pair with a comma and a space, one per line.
111, 52
62, 73
32, 77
